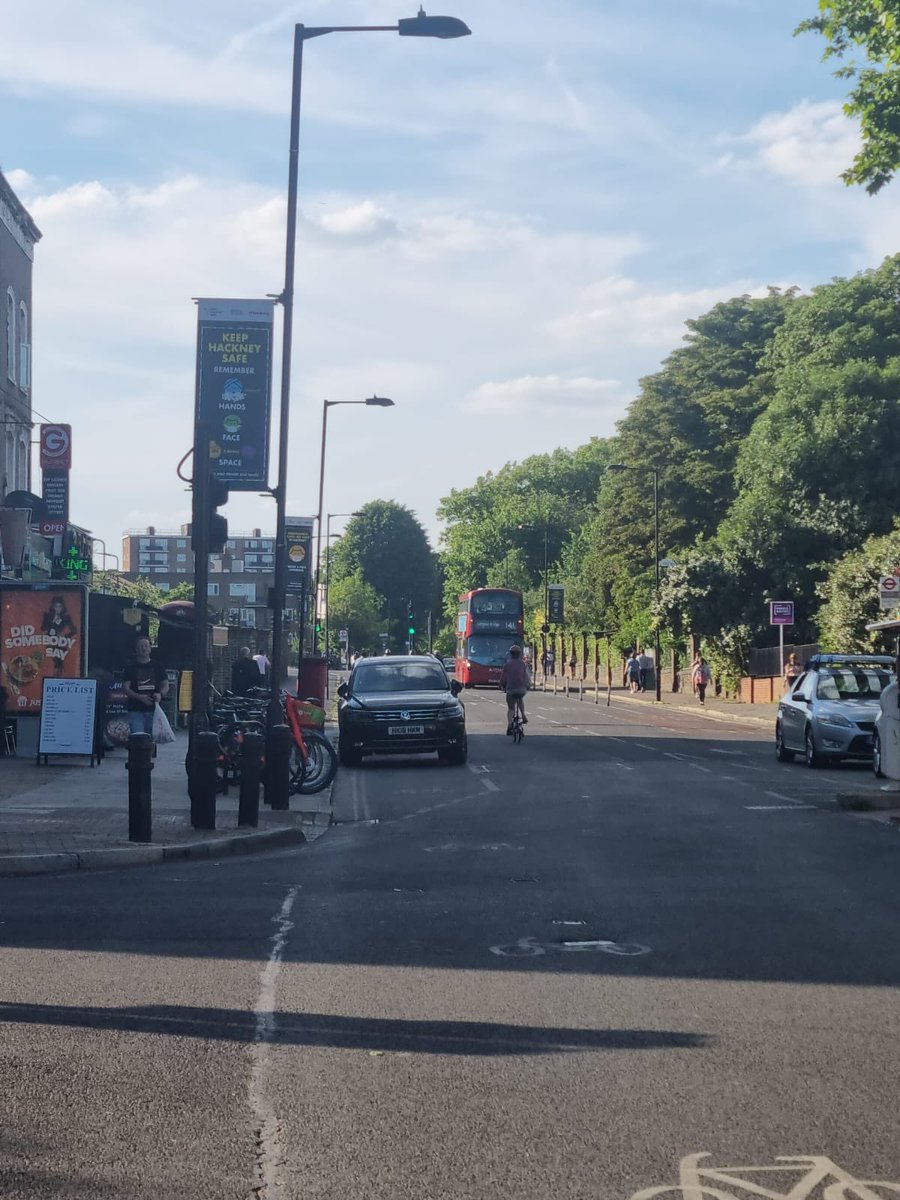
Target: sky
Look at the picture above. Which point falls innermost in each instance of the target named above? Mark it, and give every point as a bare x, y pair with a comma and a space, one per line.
503, 233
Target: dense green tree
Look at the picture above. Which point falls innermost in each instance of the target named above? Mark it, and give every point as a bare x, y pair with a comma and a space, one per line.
871, 27
850, 594
355, 605
387, 546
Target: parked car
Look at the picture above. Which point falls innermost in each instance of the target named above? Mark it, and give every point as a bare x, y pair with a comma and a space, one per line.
829, 714
404, 704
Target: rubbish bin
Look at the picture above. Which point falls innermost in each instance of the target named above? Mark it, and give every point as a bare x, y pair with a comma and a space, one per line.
312, 677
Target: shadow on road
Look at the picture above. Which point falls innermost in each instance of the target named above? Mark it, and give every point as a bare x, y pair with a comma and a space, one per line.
352, 1033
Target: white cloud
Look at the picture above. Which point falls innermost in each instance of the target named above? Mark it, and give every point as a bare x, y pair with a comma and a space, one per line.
809, 144
546, 394
619, 310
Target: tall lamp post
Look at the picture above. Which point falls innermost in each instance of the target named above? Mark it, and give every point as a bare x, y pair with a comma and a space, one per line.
328, 536
657, 564
419, 26
371, 402
545, 518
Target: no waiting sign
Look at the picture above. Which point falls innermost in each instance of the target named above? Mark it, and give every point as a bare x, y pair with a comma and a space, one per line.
889, 591
781, 612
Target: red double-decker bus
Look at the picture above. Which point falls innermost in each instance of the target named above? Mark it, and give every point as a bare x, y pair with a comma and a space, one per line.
490, 621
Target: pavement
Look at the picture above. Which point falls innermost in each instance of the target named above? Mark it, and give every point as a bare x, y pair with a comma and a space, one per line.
713, 708
70, 816
632, 957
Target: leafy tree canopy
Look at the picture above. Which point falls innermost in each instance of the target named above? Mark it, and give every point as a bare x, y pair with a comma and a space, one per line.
871, 27
850, 594
355, 605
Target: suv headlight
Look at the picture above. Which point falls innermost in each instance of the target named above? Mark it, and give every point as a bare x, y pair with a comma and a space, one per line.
837, 720
451, 708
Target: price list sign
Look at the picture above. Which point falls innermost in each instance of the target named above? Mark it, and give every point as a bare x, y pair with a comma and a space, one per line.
68, 713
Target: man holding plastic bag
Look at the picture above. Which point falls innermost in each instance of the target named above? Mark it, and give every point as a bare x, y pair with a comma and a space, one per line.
145, 685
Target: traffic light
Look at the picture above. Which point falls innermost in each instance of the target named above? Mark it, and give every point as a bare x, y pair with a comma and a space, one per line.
216, 524
410, 622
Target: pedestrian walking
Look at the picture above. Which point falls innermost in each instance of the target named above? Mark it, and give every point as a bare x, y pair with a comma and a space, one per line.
633, 673
262, 662
573, 660
646, 665
551, 661
145, 684
792, 671
701, 677
244, 672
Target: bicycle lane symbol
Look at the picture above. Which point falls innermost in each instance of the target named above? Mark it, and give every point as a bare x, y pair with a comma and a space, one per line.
529, 947
800, 1177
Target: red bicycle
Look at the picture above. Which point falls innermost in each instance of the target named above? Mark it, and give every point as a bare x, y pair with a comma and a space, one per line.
314, 759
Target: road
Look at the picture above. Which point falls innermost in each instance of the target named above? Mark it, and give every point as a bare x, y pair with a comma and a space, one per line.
561, 971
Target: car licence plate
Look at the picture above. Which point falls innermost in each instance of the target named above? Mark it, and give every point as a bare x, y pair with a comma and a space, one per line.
405, 729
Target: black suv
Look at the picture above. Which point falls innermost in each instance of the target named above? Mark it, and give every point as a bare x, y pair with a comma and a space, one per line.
401, 705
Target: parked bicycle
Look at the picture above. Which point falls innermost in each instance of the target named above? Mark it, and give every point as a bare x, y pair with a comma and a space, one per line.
313, 757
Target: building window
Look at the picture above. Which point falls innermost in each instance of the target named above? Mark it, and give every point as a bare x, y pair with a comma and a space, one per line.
230, 545
245, 590
24, 350
181, 543
212, 589
181, 571
181, 558
22, 465
11, 334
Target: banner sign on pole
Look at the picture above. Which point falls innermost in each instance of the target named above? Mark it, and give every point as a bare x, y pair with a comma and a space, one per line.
781, 612
56, 462
42, 636
234, 388
556, 594
889, 591
298, 536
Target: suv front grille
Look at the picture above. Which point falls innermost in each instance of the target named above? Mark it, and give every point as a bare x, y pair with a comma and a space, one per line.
410, 714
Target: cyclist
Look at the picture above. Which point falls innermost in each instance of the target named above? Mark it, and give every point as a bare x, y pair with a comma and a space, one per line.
515, 682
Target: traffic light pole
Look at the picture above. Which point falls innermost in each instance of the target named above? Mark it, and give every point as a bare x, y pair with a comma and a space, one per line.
200, 547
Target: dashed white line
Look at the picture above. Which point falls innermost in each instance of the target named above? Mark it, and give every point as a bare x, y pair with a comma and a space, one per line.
784, 799
489, 785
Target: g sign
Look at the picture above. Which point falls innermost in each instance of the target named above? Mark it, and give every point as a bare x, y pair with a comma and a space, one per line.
56, 447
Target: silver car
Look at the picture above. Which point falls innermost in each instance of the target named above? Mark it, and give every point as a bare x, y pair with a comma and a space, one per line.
829, 713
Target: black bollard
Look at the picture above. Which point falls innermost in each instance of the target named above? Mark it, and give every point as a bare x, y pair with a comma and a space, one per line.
251, 773
203, 780
139, 766
278, 768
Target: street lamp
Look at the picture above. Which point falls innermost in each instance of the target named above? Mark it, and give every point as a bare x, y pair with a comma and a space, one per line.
523, 485
371, 402
328, 536
656, 560
418, 26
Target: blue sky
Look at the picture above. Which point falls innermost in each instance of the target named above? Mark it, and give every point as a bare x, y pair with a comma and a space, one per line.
503, 233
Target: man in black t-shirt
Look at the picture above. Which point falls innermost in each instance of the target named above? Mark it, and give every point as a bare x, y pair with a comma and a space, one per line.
145, 685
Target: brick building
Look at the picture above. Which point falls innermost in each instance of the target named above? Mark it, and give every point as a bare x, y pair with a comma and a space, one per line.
18, 237
239, 579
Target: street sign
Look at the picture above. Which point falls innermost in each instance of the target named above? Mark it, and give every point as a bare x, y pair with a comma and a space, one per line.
781, 612
889, 591
234, 388
556, 603
344, 635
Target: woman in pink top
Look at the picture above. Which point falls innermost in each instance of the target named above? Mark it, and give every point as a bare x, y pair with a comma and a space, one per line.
515, 682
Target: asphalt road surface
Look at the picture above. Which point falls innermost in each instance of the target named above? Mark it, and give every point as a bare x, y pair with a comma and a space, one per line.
567, 970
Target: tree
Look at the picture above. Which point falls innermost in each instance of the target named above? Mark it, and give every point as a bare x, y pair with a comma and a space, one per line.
872, 26
354, 605
850, 594
387, 546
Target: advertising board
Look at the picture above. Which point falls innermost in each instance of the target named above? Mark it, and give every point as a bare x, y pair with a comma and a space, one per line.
234, 388
43, 635
781, 612
68, 716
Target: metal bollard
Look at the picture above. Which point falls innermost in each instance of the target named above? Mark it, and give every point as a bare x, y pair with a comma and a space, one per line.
554, 685
251, 774
203, 780
278, 768
139, 766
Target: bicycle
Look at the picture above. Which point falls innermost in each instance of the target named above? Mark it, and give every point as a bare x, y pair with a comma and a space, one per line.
313, 757
517, 725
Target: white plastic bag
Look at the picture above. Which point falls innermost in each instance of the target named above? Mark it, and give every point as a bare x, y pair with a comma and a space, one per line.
162, 730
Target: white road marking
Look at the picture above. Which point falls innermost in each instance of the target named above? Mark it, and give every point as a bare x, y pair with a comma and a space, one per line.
784, 799
641, 746
738, 753
697, 767
268, 1127
794, 806
489, 785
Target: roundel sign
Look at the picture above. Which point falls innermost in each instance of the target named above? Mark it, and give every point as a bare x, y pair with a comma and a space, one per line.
889, 591
56, 447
